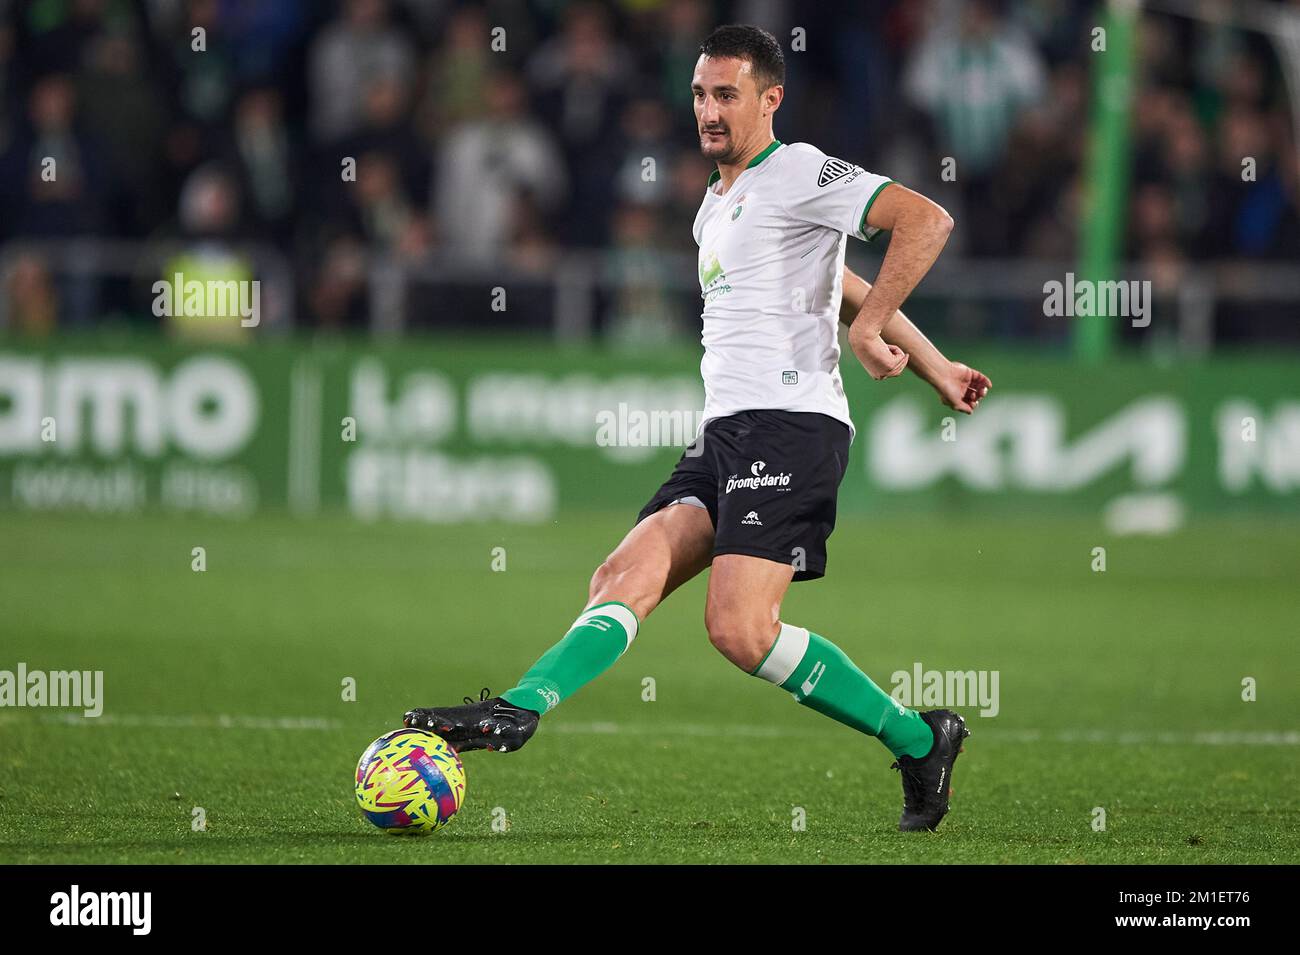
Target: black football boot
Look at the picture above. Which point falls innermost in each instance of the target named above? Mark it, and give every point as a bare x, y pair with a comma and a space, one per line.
927, 780
485, 723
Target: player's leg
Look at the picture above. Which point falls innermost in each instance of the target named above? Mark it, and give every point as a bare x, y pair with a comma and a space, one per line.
775, 512
664, 550
772, 527
743, 618
657, 556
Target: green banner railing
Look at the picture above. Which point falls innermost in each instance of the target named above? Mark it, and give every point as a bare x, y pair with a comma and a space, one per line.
452, 431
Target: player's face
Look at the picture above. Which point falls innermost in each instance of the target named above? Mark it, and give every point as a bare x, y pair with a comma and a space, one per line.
728, 107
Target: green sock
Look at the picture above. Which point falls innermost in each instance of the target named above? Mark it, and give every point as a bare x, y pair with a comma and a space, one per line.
821, 676
600, 635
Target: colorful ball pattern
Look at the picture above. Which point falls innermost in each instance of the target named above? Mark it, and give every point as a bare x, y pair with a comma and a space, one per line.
410, 781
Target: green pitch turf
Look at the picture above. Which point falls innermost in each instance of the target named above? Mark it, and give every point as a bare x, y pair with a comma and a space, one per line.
223, 690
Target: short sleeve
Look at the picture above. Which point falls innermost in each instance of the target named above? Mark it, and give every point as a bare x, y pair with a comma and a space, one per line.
830, 192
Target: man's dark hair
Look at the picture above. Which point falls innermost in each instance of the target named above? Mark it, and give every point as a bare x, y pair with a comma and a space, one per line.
745, 42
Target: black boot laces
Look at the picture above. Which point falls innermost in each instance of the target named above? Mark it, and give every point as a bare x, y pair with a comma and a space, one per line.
913, 786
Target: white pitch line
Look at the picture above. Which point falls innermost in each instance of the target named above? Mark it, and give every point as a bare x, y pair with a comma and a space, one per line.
978, 732
741, 730
219, 721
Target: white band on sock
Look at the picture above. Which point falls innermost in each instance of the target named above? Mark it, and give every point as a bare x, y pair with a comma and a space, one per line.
621, 615
790, 646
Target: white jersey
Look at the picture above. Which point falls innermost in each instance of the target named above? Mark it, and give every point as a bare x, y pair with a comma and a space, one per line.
771, 275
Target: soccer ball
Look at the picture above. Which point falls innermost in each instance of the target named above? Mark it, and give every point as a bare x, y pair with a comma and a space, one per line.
410, 781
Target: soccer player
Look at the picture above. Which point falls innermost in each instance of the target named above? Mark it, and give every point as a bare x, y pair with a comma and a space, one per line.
754, 497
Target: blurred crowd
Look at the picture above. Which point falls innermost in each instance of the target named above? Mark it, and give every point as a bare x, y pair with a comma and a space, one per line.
510, 132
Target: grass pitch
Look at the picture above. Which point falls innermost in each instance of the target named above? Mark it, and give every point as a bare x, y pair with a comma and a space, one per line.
224, 690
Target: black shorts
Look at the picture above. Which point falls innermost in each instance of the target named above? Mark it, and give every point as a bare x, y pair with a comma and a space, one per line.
768, 480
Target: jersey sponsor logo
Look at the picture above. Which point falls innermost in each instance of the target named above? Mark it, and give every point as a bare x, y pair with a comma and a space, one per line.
833, 169
752, 518
757, 468
789, 377
759, 480
710, 270
713, 279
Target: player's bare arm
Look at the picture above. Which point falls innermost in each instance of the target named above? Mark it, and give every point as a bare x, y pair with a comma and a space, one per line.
919, 229
960, 387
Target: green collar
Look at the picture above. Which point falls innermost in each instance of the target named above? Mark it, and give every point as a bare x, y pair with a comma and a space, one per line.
715, 175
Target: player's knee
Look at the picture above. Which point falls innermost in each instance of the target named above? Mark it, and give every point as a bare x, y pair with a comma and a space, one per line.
615, 581
607, 578
742, 641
